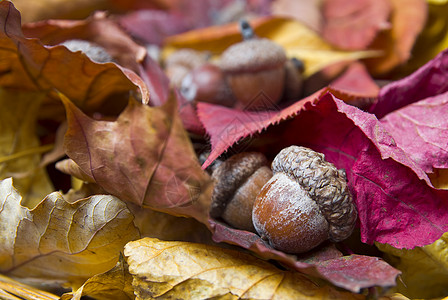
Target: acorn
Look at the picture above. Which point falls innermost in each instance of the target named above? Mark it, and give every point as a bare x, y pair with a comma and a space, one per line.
238, 181
306, 202
255, 70
179, 63
293, 79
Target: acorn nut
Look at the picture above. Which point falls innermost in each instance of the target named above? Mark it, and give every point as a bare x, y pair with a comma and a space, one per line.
238, 181
306, 202
253, 67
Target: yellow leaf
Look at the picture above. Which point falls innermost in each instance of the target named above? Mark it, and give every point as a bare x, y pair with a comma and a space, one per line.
439, 178
20, 150
14, 290
58, 240
172, 270
425, 269
114, 284
298, 40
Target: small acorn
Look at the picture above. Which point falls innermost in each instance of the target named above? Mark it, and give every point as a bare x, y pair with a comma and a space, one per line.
255, 69
306, 202
238, 181
207, 83
179, 63
293, 79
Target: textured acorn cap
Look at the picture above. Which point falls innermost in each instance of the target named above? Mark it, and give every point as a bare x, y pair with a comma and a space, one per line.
325, 184
252, 56
230, 175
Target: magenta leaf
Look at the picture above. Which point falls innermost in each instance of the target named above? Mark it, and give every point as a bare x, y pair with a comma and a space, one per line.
352, 272
428, 81
421, 130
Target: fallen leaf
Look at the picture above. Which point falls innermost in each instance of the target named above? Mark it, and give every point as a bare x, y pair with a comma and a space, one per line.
11, 289
164, 270
428, 81
306, 12
144, 157
99, 29
425, 269
357, 142
28, 64
352, 272
407, 21
113, 284
20, 148
62, 241
298, 41
352, 25
421, 130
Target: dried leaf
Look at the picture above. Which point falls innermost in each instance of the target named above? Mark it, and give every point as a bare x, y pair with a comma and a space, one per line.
20, 148
11, 289
27, 64
352, 272
144, 157
352, 25
164, 270
298, 41
113, 284
62, 241
408, 19
425, 269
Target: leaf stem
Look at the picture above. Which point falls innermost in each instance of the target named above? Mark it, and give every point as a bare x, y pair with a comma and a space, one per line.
31, 151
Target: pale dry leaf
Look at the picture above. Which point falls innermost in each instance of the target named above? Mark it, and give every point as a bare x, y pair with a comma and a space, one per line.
20, 149
167, 270
114, 284
63, 241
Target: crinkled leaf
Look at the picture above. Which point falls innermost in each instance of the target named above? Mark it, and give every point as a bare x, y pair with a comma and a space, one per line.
11, 289
425, 269
165, 270
113, 284
20, 149
62, 241
352, 25
352, 272
144, 157
429, 80
421, 130
298, 40
28, 64
388, 187
407, 21
99, 29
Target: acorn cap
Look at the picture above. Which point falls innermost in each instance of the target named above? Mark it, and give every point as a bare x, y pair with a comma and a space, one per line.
325, 184
252, 55
230, 175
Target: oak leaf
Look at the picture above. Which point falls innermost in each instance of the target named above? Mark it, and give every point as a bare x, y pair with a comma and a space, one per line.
62, 241
20, 149
165, 270
144, 157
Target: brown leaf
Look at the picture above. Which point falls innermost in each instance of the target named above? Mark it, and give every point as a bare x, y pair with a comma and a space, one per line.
114, 284
165, 270
62, 241
20, 149
144, 157
28, 64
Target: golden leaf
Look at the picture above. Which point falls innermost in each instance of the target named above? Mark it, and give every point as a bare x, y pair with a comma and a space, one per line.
58, 240
167, 270
114, 284
20, 149
425, 269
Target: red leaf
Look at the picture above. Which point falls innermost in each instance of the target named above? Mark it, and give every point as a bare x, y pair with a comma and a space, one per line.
352, 25
144, 157
352, 272
428, 81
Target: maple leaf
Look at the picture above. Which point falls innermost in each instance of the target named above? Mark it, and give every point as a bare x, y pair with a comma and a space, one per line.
58, 240
144, 157
164, 270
